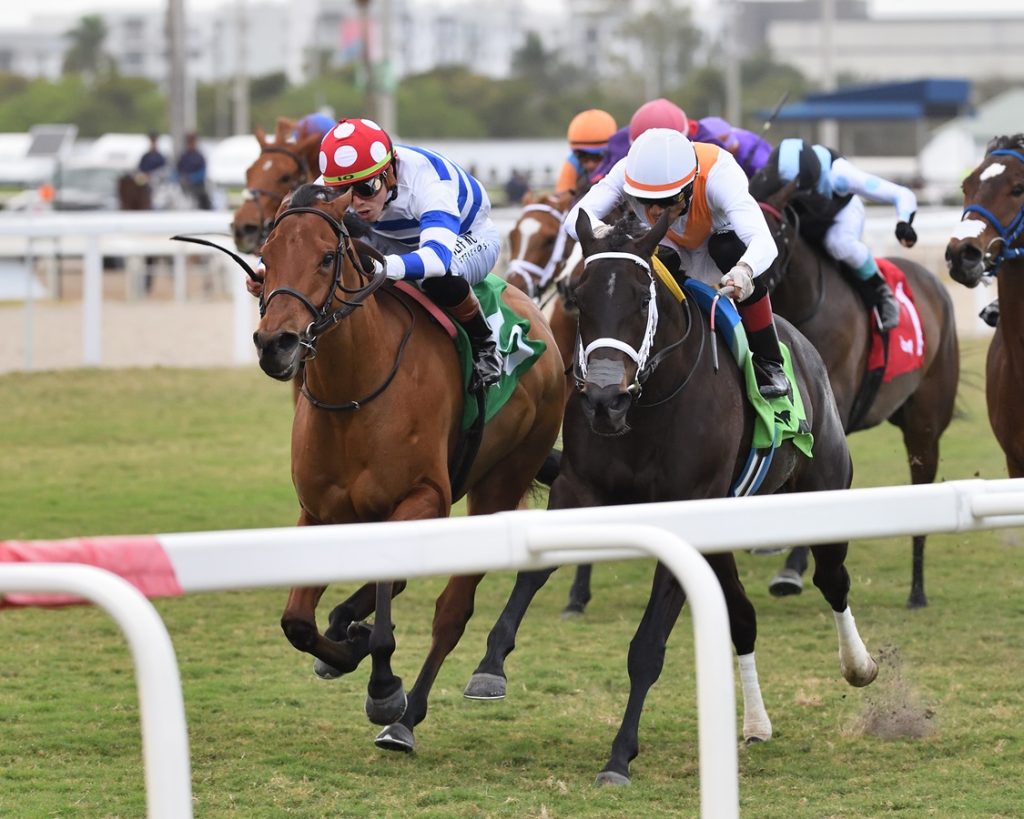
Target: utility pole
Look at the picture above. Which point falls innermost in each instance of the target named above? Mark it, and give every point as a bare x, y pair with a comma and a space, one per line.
176, 113
386, 114
733, 101
370, 75
241, 85
828, 129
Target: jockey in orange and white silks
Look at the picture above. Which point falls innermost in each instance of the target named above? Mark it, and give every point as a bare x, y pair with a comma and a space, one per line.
720, 228
828, 198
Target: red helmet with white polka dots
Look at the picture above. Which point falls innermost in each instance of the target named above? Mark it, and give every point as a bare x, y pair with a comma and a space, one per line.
354, 150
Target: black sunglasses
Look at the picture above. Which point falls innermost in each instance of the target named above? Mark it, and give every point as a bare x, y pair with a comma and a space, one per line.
367, 188
669, 201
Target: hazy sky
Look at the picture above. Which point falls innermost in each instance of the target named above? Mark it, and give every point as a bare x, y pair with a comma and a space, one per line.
20, 13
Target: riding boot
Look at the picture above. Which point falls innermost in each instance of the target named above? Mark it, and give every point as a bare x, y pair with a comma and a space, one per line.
990, 313
884, 303
488, 363
756, 313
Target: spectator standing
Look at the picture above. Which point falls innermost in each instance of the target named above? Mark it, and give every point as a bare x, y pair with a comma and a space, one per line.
191, 172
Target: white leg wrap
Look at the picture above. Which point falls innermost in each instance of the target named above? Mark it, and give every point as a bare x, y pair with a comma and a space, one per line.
855, 662
756, 725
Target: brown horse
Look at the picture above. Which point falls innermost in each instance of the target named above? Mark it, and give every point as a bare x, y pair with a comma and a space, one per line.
283, 165
988, 242
655, 418
809, 290
377, 433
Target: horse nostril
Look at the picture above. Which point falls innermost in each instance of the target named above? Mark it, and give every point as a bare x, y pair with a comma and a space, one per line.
970, 254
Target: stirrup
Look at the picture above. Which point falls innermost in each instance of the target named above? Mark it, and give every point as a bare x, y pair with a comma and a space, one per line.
488, 365
771, 378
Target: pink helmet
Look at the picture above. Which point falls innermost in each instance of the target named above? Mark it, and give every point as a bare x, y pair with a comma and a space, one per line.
354, 150
659, 113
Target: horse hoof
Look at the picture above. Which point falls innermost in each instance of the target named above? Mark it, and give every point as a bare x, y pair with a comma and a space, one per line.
767, 551
611, 778
325, 671
917, 601
570, 613
859, 677
395, 738
386, 710
785, 583
754, 740
483, 686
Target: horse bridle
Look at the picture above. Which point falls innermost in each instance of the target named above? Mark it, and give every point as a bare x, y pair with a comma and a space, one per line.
1009, 233
533, 273
323, 317
645, 362
254, 194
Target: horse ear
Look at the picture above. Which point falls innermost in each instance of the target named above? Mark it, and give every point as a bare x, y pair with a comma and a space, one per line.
585, 231
529, 198
309, 147
261, 136
651, 239
285, 127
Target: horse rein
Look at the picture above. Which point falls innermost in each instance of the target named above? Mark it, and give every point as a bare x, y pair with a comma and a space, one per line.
1009, 233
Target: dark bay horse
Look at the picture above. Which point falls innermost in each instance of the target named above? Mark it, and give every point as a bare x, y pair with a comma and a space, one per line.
654, 420
376, 433
988, 242
809, 290
284, 164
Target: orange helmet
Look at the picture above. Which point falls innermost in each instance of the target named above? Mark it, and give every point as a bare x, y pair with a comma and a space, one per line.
590, 130
659, 113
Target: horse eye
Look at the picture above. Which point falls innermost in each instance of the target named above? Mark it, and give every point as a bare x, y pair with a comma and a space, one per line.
285, 180
1018, 190
328, 260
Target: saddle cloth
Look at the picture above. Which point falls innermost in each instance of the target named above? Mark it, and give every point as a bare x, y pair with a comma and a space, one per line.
906, 340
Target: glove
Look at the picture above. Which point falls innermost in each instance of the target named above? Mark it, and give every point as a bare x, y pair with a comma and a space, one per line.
740, 278
905, 233
391, 270
255, 286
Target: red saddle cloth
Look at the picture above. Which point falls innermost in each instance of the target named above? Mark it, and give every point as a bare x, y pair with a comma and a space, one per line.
906, 340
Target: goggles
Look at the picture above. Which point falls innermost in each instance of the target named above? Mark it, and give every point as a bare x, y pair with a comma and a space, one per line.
588, 156
683, 196
367, 188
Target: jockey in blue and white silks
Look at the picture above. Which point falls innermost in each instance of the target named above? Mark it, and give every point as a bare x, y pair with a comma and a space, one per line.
430, 219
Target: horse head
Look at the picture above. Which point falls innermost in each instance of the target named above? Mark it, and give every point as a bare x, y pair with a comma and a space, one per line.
618, 318
993, 216
281, 167
316, 275
537, 244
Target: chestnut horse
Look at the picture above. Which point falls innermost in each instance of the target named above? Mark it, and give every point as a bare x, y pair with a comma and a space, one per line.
809, 290
377, 431
654, 419
988, 242
283, 165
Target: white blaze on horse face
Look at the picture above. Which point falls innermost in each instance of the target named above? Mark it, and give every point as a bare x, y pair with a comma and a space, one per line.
267, 165
611, 285
992, 171
969, 229
527, 228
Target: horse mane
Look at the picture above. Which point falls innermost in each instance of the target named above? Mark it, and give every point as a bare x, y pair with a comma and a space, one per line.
626, 229
1000, 143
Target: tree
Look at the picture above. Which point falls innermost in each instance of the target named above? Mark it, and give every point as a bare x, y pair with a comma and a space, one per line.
667, 40
85, 53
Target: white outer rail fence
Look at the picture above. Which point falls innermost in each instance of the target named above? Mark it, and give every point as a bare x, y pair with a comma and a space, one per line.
673, 532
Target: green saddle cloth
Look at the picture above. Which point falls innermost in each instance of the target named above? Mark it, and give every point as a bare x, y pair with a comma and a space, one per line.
518, 350
778, 419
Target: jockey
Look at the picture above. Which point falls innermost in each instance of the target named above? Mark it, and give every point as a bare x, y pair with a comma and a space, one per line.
428, 216
588, 135
705, 186
313, 124
750, 150
829, 188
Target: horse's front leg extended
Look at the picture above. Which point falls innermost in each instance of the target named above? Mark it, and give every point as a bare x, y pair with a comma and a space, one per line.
385, 696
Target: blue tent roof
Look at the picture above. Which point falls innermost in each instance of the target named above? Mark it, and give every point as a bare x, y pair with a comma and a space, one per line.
905, 100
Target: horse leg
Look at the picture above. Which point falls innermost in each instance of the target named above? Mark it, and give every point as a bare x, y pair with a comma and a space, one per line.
789, 579
757, 727
832, 579
452, 611
579, 592
645, 661
488, 681
385, 696
345, 624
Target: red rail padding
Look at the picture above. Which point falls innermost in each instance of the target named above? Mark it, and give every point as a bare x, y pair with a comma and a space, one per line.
139, 559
